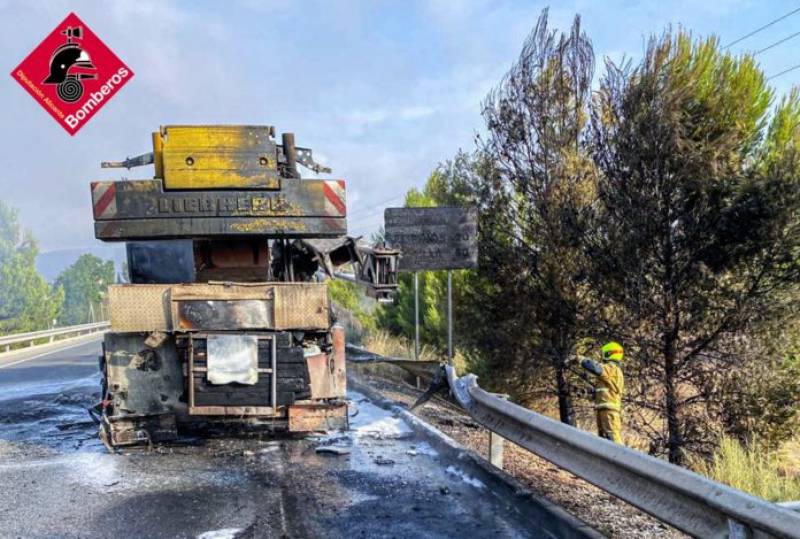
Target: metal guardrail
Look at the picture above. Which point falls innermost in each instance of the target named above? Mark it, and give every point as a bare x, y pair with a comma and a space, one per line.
51, 335
794, 505
688, 501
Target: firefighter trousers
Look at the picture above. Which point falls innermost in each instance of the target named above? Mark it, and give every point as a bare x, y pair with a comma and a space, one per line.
609, 425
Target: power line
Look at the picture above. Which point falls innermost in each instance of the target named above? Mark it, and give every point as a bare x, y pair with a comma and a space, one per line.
377, 218
368, 215
785, 71
379, 204
768, 47
757, 30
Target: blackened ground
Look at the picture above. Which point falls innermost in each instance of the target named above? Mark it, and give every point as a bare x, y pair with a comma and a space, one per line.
44, 400
605, 513
56, 480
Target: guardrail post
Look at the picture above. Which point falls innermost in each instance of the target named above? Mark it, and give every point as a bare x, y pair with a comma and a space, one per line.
496, 444
737, 530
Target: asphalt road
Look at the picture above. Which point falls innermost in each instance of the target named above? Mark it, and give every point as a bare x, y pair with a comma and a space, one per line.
57, 480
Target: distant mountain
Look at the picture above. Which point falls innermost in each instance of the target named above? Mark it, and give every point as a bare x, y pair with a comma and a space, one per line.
51, 263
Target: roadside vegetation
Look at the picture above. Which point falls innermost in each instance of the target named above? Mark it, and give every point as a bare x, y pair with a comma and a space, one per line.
28, 302
751, 468
84, 284
658, 206
654, 201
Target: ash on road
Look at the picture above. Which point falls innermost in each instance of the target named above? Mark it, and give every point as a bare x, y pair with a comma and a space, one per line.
378, 480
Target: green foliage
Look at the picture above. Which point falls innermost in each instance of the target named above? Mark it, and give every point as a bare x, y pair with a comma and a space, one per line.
85, 283
663, 213
349, 303
27, 302
761, 393
448, 185
398, 317
697, 234
761, 399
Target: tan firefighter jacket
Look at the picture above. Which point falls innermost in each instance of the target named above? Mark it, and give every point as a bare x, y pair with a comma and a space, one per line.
610, 384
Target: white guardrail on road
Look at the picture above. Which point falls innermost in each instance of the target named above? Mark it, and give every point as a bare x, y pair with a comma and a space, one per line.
688, 501
50, 335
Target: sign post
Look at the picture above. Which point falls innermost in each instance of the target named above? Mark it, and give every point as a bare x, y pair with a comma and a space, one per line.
450, 317
416, 322
416, 315
443, 238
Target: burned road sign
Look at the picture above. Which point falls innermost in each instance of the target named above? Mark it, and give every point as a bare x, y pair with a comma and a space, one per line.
434, 238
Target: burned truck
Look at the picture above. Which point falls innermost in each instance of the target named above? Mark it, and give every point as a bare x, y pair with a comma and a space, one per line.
226, 320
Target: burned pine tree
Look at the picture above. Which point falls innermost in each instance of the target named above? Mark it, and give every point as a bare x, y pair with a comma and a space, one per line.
697, 230
535, 200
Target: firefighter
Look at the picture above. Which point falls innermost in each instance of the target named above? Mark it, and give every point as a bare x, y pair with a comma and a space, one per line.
608, 391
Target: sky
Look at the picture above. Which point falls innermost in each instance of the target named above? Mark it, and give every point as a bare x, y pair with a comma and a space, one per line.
381, 91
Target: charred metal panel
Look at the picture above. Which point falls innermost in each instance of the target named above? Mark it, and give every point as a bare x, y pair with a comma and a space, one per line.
297, 306
161, 262
227, 291
333, 252
433, 238
225, 314
142, 380
317, 417
320, 367
292, 381
218, 157
203, 393
139, 307
147, 199
188, 227
327, 371
302, 306
142, 429
232, 260
142, 209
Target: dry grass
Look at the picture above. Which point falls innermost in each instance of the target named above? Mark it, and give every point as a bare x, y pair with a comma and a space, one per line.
384, 343
789, 457
752, 469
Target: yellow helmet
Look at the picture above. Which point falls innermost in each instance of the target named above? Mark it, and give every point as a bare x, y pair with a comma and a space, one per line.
612, 351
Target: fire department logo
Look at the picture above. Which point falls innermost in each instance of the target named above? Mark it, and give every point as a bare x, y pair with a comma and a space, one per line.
72, 74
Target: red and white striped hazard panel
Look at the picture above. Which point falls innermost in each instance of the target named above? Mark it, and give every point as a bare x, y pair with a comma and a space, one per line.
335, 202
104, 200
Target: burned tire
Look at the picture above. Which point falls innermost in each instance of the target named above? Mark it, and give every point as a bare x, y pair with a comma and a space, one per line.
70, 90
